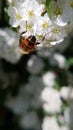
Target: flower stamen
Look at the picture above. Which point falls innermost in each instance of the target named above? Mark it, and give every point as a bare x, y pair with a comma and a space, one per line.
28, 26
55, 30
18, 16
58, 11
31, 14
45, 25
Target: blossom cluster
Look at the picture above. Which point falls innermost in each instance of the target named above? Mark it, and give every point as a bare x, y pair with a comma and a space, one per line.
43, 89
39, 92
32, 17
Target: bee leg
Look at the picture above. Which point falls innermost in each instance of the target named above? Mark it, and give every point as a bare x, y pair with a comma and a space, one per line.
23, 33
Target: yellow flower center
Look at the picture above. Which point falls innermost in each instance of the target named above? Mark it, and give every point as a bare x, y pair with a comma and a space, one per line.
28, 26
45, 25
56, 30
18, 16
31, 14
58, 11
40, 37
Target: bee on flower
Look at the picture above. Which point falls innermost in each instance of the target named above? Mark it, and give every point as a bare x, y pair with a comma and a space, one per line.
36, 28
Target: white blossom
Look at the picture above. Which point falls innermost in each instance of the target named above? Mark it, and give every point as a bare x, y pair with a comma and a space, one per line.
28, 27
18, 105
30, 120
60, 59
65, 92
42, 25
26, 98
16, 15
55, 34
32, 9
61, 12
35, 65
49, 78
9, 46
50, 123
24, 11
29, 16
28, 91
51, 100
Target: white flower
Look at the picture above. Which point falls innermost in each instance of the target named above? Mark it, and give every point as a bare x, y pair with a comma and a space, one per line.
28, 91
36, 83
60, 60
30, 121
42, 25
65, 92
17, 105
50, 123
60, 22
32, 9
51, 100
58, 13
62, 12
49, 78
28, 27
28, 16
28, 97
35, 65
55, 35
16, 15
9, 46
27, 10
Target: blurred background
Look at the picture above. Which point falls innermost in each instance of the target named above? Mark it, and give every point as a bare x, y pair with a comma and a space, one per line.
36, 89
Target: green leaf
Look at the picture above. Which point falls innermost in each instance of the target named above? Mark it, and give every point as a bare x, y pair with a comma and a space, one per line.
48, 2
56, 85
69, 62
48, 7
6, 15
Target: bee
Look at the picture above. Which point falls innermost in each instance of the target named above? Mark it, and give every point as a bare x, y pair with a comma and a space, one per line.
27, 45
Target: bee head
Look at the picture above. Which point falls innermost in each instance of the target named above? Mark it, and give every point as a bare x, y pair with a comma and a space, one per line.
32, 38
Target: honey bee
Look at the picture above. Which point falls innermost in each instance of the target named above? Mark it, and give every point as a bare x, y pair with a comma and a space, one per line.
27, 45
